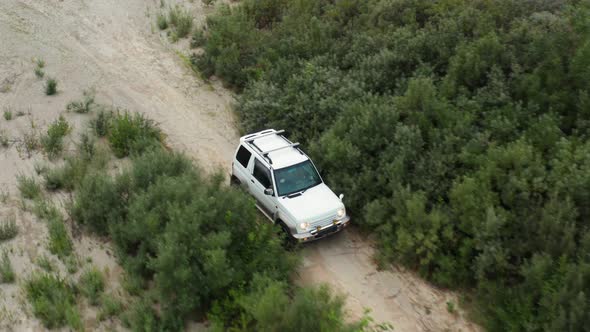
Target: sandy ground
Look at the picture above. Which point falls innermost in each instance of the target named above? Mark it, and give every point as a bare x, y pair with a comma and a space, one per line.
113, 47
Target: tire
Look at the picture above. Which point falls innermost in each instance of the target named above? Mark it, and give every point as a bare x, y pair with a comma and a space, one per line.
234, 181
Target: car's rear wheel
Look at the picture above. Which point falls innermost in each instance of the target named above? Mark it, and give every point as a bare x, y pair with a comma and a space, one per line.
234, 181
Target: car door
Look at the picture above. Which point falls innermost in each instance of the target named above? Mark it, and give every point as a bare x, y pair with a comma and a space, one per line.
260, 180
241, 166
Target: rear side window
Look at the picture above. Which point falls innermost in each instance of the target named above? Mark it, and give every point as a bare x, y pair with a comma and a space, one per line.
243, 156
262, 174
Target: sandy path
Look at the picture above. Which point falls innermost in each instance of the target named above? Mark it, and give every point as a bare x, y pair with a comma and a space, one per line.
113, 47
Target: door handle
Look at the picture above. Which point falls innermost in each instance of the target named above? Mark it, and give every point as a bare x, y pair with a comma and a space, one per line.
251, 180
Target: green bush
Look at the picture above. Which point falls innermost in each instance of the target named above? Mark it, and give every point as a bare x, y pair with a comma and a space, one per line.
458, 130
110, 307
7, 115
8, 230
53, 301
181, 19
60, 243
197, 38
132, 133
91, 285
101, 124
28, 187
53, 142
162, 21
6, 272
51, 86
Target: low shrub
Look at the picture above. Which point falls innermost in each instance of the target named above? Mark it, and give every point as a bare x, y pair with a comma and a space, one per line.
60, 243
28, 187
53, 301
39, 72
7, 274
101, 124
45, 263
198, 38
181, 19
91, 285
8, 115
110, 306
51, 86
84, 105
53, 142
132, 133
8, 229
162, 22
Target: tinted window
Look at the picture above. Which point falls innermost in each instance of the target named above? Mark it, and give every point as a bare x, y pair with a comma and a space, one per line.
243, 156
262, 174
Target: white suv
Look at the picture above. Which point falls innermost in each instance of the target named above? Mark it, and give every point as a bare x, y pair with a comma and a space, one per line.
287, 187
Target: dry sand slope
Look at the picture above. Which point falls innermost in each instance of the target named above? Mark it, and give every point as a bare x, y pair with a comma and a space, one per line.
114, 47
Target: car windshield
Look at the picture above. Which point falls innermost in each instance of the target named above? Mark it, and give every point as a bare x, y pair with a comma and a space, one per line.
296, 178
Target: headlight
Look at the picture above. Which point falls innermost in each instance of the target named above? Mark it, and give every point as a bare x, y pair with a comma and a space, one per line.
304, 225
341, 212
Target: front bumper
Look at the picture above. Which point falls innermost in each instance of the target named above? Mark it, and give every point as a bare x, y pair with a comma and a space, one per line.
323, 232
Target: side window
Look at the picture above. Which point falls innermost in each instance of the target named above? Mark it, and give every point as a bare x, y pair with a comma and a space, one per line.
243, 156
262, 174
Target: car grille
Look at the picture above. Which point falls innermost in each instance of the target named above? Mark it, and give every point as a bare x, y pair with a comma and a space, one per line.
323, 222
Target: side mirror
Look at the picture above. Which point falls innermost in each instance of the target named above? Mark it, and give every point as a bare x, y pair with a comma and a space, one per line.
341, 196
269, 191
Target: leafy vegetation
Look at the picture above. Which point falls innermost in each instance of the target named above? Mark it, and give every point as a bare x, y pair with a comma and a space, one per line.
28, 187
53, 300
6, 272
190, 245
162, 21
84, 105
53, 142
458, 130
51, 86
7, 114
60, 243
181, 19
91, 285
8, 229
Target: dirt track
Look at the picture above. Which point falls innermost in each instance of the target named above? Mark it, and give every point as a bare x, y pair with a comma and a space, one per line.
114, 47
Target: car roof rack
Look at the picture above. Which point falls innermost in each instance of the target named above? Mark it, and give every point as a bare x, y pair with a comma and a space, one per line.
264, 134
292, 145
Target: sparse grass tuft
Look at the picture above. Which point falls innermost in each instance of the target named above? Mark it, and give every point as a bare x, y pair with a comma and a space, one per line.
110, 306
45, 263
60, 243
51, 86
40, 63
84, 105
8, 229
53, 142
53, 300
8, 114
162, 22
28, 187
6, 272
181, 19
91, 285
4, 139
39, 72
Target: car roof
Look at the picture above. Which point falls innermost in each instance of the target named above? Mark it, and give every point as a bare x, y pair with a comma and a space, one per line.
284, 153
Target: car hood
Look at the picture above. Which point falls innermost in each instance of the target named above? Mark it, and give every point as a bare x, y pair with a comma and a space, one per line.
314, 203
